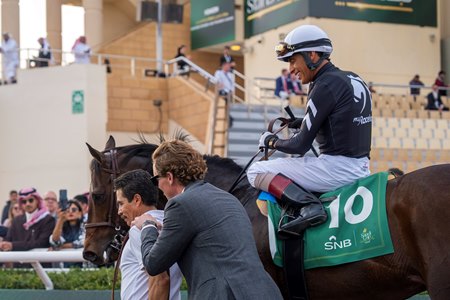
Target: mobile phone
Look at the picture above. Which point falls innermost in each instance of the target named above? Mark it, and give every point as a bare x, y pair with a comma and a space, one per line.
63, 201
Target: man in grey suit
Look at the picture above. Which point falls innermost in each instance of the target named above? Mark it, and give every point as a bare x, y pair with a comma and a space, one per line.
205, 230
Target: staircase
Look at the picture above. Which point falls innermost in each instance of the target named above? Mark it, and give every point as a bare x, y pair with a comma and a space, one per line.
248, 125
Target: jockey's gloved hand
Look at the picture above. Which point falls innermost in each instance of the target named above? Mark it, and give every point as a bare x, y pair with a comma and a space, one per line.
296, 123
267, 140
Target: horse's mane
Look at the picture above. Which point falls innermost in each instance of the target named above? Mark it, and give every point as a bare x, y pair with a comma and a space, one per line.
223, 162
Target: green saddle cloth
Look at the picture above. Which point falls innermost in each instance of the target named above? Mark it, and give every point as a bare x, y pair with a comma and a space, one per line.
356, 228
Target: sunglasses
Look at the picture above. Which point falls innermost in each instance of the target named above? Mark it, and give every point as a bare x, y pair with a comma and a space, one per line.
73, 210
30, 200
155, 180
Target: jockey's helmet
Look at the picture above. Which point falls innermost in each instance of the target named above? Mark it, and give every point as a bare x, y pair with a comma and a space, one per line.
304, 38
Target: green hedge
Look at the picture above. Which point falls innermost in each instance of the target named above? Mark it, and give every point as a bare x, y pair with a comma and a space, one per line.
74, 279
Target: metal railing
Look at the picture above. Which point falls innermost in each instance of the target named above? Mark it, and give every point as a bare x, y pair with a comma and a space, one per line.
192, 68
41, 255
64, 58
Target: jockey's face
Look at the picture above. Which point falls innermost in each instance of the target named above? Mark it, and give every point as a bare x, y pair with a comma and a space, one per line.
298, 67
127, 210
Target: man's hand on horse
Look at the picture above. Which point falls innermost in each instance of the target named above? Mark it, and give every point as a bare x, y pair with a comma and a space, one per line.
267, 140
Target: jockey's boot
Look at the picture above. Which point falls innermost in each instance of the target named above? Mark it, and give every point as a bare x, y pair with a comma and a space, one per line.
289, 194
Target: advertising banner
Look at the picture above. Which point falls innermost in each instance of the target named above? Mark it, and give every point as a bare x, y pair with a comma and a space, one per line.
413, 12
263, 15
212, 22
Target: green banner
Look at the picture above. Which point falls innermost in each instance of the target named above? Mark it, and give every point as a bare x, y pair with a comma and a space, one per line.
414, 12
356, 229
261, 16
212, 22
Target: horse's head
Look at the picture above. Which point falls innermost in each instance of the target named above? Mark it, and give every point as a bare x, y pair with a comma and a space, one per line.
103, 221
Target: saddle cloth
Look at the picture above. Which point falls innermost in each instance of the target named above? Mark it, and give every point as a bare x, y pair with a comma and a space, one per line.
356, 229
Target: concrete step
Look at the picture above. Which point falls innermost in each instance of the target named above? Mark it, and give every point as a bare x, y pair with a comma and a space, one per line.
243, 136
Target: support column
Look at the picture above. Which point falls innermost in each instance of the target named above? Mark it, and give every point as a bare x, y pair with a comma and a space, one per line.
93, 22
11, 19
54, 28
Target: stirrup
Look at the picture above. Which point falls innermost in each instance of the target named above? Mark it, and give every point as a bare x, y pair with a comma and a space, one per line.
310, 215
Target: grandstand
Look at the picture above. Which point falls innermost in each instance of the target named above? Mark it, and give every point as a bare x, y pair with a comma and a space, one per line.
385, 53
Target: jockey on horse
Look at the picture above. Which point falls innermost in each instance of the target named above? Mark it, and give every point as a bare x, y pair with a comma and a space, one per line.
338, 115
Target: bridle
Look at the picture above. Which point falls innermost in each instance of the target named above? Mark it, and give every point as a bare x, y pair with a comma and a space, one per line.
114, 172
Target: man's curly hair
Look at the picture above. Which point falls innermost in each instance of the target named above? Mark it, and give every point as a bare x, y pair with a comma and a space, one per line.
181, 159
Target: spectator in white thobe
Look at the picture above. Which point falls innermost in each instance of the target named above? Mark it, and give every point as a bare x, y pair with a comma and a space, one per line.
81, 51
10, 58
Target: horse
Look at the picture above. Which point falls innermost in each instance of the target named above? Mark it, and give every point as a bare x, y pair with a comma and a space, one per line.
416, 212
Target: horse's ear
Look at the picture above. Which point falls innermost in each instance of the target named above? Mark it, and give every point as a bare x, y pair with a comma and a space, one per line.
111, 143
96, 154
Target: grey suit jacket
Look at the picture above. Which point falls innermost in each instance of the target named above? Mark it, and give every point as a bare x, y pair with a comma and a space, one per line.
208, 233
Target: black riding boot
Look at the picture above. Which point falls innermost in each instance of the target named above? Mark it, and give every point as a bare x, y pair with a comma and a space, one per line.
289, 194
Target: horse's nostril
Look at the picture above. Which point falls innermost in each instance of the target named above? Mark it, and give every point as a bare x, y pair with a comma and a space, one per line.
90, 256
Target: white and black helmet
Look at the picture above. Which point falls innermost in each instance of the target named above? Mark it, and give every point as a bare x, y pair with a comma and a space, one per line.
304, 38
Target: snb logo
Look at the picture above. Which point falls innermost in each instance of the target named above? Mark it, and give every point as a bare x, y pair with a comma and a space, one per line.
333, 244
360, 91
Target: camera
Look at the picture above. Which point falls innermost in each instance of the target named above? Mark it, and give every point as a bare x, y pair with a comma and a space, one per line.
63, 201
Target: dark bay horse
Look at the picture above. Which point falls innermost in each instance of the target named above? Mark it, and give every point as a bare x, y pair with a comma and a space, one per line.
417, 214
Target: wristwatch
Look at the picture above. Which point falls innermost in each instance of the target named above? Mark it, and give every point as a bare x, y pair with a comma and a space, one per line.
150, 222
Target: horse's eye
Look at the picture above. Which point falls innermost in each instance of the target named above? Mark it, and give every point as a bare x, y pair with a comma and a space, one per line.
97, 197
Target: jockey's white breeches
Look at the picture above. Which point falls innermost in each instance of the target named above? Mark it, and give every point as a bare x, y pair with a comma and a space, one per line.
316, 174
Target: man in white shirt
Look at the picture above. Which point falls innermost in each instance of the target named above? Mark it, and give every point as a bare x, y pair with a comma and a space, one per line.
10, 58
81, 51
137, 195
225, 80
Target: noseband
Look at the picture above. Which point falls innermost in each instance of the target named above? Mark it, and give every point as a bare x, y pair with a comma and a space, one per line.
114, 172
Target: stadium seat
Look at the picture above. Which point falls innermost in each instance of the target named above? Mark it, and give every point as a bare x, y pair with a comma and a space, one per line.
408, 143
440, 133
442, 124
423, 114
421, 143
387, 132
392, 123
387, 112
434, 114
405, 123
394, 142
380, 142
414, 132
435, 144
401, 132
411, 113
418, 123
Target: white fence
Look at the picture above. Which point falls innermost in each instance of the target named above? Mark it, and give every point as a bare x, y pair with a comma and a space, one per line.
37, 256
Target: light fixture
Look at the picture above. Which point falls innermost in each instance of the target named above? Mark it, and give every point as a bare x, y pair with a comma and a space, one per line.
235, 47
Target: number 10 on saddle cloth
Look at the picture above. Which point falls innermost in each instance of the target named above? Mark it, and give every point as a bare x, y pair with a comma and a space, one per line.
356, 228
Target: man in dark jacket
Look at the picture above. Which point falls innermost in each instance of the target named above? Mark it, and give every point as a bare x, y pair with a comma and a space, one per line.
434, 101
33, 229
205, 230
12, 198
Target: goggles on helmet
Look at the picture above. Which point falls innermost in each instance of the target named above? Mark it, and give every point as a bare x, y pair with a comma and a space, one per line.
321, 45
283, 48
